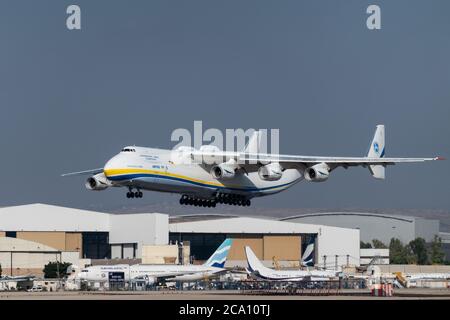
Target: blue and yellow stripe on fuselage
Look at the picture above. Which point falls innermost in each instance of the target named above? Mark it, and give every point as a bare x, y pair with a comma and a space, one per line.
119, 175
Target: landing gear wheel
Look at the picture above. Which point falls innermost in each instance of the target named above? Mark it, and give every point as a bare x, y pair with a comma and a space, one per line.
128, 195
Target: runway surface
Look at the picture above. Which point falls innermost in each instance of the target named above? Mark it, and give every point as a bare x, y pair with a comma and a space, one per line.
403, 294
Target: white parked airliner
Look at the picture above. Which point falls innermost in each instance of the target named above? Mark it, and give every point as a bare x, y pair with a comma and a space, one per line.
209, 176
152, 273
258, 270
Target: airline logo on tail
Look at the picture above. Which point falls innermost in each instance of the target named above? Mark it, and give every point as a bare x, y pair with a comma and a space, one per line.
219, 257
308, 255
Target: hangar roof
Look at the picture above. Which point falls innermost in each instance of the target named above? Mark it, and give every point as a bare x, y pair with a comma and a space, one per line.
199, 217
360, 214
247, 225
44, 217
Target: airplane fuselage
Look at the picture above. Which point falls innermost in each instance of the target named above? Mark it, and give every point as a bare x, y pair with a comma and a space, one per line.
161, 170
149, 272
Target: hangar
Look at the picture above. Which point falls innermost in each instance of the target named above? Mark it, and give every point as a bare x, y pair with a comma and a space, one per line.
95, 235
374, 226
271, 240
51, 233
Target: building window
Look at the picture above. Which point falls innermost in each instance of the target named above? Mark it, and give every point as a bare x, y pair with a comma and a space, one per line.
11, 234
96, 245
202, 245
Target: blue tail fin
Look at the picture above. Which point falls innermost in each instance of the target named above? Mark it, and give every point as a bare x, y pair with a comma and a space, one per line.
219, 257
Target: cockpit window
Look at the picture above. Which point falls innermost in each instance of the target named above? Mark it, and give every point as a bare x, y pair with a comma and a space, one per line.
128, 150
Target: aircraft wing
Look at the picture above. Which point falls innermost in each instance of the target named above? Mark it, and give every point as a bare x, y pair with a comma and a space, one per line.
91, 171
250, 159
340, 161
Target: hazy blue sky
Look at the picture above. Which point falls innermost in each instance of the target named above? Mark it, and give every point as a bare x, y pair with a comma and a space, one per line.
139, 69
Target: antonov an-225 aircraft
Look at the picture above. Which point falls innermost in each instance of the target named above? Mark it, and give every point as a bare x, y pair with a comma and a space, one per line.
209, 176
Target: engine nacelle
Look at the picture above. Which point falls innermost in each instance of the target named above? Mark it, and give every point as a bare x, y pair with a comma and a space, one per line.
223, 171
317, 173
97, 182
271, 172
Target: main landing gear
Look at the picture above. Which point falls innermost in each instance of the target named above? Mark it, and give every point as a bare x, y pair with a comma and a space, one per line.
224, 198
233, 199
198, 202
137, 194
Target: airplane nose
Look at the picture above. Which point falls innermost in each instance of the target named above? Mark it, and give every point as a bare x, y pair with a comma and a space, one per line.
110, 165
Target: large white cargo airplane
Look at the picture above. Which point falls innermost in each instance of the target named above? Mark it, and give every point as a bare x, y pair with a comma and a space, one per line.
209, 176
151, 274
258, 270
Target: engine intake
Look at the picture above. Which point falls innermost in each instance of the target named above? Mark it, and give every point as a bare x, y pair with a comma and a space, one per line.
317, 173
222, 171
97, 182
271, 172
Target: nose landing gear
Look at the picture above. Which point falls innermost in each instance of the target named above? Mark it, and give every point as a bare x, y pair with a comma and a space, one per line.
137, 194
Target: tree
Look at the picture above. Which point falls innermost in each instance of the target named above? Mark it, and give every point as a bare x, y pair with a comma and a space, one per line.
377, 244
364, 245
419, 249
411, 258
437, 255
397, 252
52, 268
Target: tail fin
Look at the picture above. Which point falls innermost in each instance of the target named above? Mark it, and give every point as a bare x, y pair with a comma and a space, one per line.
376, 150
254, 265
219, 257
308, 254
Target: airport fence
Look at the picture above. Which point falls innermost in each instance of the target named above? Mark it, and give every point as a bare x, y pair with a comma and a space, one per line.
245, 286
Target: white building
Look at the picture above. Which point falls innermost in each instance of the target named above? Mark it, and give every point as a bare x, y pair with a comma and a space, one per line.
95, 235
272, 239
98, 235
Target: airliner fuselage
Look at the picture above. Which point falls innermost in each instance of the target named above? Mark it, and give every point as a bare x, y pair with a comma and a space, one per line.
140, 168
208, 176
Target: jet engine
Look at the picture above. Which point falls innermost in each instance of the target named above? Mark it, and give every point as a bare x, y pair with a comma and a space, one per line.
223, 171
97, 182
271, 172
317, 173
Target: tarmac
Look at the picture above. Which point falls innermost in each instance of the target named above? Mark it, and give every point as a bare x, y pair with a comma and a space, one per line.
401, 294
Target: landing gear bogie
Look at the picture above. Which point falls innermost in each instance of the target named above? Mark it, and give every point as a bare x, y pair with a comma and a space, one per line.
134, 194
230, 199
